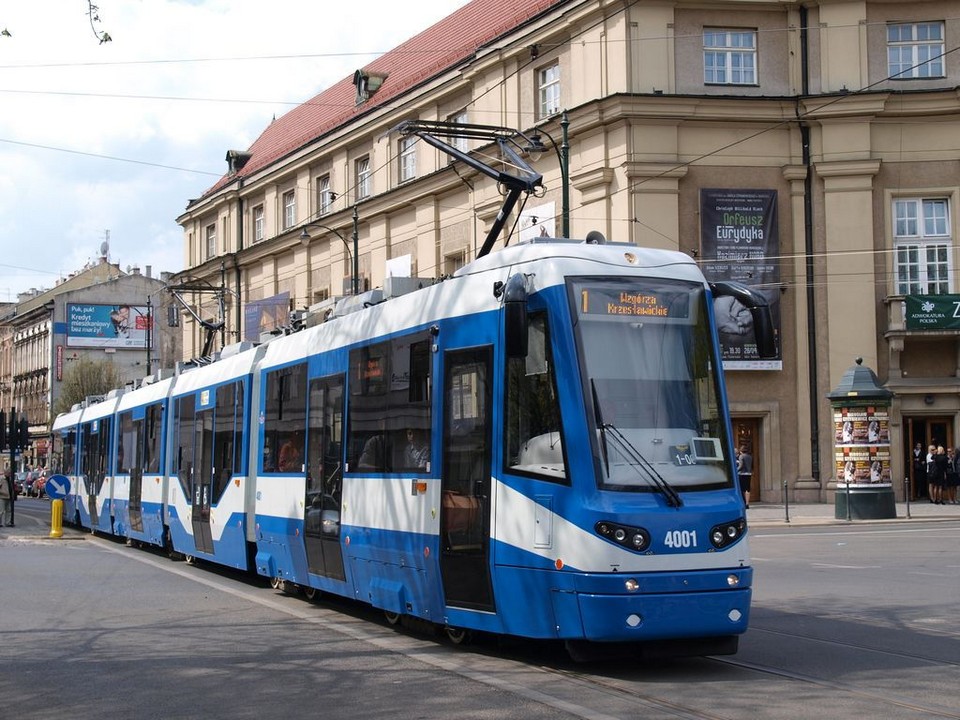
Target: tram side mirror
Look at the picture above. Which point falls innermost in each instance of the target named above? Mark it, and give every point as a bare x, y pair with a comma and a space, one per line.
759, 309
515, 317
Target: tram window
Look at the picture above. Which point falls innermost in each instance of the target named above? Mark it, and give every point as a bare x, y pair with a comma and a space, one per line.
390, 406
126, 449
227, 434
184, 432
68, 464
533, 431
101, 465
285, 420
153, 422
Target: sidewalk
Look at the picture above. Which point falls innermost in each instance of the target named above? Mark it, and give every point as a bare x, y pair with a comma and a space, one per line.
772, 515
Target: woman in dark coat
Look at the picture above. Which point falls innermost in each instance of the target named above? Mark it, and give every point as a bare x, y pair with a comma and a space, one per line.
939, 477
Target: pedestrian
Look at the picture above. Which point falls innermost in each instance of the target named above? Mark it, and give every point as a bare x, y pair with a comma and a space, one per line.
6, 498
919, 471
939, 477
745, 473
953, 477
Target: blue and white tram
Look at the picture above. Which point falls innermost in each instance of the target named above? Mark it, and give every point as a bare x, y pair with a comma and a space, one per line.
94, 501
65, 430
140, 480
538, 446
210, 489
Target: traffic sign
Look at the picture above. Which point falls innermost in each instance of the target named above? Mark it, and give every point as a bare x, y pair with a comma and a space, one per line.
57, 487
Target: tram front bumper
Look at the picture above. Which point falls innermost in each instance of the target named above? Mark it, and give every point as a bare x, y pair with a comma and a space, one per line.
635, 618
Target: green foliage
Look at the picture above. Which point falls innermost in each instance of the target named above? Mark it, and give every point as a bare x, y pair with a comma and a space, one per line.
85, 377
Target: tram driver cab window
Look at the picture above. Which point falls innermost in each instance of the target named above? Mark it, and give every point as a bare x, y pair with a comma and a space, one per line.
533, 433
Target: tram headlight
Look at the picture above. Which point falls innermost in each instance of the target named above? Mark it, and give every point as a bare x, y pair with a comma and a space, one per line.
632, 538
727, 533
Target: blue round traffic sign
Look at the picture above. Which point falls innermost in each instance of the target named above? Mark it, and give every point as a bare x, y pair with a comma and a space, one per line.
57, 487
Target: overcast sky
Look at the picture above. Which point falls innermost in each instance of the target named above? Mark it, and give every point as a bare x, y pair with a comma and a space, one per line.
115, 138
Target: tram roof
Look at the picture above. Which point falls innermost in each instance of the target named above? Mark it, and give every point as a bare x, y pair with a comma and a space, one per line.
470, 291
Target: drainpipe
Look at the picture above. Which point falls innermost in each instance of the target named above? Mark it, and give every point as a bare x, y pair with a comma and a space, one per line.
238, 315
808, 252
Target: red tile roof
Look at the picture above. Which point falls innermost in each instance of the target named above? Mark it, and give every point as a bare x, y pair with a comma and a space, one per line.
436, 49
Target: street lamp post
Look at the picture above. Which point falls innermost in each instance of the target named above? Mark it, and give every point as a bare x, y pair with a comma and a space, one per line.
355, 274
563, 157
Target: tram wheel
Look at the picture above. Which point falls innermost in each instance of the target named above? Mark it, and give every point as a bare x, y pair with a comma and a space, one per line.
275, 582
458, 636
189, 559
310, 593
393, 618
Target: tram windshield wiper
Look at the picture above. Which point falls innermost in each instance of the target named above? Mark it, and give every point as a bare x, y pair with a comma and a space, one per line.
598, 417
641, 463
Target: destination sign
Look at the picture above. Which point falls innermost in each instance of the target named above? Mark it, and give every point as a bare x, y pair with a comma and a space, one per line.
634, 303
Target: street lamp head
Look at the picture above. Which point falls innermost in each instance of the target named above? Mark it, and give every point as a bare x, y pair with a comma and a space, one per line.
304, 236
535, 147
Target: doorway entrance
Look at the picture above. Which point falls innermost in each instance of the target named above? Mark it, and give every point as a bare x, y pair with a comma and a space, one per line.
746, 434
926, 431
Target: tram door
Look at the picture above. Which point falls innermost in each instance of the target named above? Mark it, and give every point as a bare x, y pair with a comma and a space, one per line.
202, 481
465, 479
324, 484
135, 465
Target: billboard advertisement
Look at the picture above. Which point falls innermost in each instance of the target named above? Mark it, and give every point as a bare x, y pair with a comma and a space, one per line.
262, 316
107, 326
740, 241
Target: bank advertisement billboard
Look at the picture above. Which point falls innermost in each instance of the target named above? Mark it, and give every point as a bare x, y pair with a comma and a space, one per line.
740, 241
107, 326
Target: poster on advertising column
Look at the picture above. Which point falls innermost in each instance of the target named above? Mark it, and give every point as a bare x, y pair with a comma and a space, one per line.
862, 445
739, 240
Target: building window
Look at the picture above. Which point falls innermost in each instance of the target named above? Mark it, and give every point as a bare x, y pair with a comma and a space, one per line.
460, 143
408, 158
922, 241
915, 50
325, 196
548, 90
362, 168
289, 209
211, 235
730, 57
258, 223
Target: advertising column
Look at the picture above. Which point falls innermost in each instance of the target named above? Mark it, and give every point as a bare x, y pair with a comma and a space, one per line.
861, 421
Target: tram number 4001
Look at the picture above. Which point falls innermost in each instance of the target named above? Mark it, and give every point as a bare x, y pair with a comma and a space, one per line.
680, 538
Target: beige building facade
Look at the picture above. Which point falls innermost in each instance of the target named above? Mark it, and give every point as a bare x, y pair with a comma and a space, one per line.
843, 112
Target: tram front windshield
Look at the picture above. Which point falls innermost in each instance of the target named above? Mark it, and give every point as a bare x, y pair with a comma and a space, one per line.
647, 359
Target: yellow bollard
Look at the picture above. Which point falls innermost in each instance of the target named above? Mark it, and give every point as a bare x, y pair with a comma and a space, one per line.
56, 519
